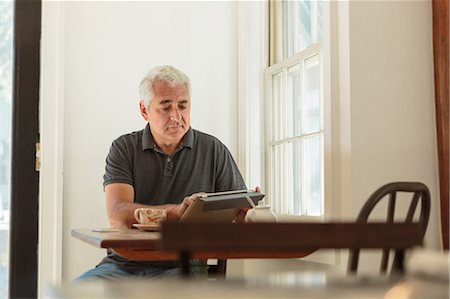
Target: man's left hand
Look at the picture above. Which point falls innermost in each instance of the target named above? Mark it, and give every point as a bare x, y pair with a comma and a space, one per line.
240, 217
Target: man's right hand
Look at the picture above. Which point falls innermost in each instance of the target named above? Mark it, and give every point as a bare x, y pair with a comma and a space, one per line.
177, 211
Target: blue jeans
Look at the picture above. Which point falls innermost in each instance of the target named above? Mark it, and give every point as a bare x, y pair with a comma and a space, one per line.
111, 271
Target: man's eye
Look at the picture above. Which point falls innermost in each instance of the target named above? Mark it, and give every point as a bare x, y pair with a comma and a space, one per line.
182, 106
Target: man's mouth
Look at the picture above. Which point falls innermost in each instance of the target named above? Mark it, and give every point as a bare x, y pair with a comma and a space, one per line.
172, 128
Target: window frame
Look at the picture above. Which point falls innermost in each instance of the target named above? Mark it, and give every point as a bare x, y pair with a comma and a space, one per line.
323, 50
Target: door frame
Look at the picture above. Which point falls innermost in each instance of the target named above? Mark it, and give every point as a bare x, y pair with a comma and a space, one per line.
24, 208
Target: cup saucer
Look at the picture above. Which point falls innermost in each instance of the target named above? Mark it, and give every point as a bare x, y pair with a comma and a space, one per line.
148, 227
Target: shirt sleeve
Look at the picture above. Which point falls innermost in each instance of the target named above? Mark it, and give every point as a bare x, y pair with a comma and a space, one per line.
118, 167
228, 175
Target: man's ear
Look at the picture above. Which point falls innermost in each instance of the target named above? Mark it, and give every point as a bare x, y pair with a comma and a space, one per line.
143, 110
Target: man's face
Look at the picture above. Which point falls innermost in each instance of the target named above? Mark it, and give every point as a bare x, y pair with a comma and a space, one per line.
168, 114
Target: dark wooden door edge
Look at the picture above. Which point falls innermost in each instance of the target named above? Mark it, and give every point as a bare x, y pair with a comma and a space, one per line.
441, 82
25, 131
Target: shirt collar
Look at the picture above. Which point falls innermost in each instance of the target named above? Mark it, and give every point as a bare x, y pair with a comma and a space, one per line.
188, 139
149, 143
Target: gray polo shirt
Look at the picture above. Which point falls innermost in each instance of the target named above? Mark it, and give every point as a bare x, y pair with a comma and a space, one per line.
201, 164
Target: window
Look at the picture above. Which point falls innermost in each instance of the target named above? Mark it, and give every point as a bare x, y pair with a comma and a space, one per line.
295, 109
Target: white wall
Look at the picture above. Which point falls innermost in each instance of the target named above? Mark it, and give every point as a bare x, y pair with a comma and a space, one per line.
109, 47
391, 132
392, 107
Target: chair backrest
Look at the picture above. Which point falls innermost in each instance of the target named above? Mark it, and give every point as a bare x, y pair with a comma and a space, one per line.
418, 191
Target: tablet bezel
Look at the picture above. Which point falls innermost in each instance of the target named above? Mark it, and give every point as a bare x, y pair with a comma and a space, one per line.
220, 206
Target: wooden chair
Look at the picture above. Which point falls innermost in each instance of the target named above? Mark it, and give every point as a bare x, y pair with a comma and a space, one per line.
418, 191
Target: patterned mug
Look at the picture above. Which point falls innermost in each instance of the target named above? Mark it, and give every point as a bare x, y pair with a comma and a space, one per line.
150, 216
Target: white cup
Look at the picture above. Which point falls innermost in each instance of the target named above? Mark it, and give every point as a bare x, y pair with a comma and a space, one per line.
150, 216
261, 213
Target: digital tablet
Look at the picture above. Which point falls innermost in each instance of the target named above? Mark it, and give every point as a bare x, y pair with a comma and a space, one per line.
220, 206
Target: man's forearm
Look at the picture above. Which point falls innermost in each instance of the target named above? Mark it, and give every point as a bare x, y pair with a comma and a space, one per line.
121, 214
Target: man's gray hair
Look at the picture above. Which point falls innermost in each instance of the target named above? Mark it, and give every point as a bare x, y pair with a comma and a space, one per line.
166, 73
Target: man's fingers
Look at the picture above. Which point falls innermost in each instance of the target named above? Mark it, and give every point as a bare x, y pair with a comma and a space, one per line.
197, 195
240, 217
188, 200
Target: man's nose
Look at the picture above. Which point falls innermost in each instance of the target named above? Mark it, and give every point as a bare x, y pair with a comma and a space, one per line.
175, 114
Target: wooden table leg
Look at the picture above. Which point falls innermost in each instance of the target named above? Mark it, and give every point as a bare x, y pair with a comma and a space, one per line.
398, 266
184, 258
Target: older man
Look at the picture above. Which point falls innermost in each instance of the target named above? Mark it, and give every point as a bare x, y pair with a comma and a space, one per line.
163, 166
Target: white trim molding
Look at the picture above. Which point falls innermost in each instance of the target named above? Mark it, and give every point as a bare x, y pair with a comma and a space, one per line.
51, 135
252, 60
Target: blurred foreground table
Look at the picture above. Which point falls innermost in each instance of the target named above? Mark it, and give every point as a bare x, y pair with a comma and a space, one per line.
200, 240
282, 285
289, 239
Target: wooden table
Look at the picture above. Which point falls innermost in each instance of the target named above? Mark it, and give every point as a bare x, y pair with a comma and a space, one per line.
139, 245
132, 244
287, 239
250, 240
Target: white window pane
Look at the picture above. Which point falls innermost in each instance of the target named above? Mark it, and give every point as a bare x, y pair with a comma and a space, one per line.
294, 101
272, 175
291, 24
313, 177
277, 107
277, 190
270, 192
297, 19
288, 179
305, 24
296, 177
319, 21
312, 94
